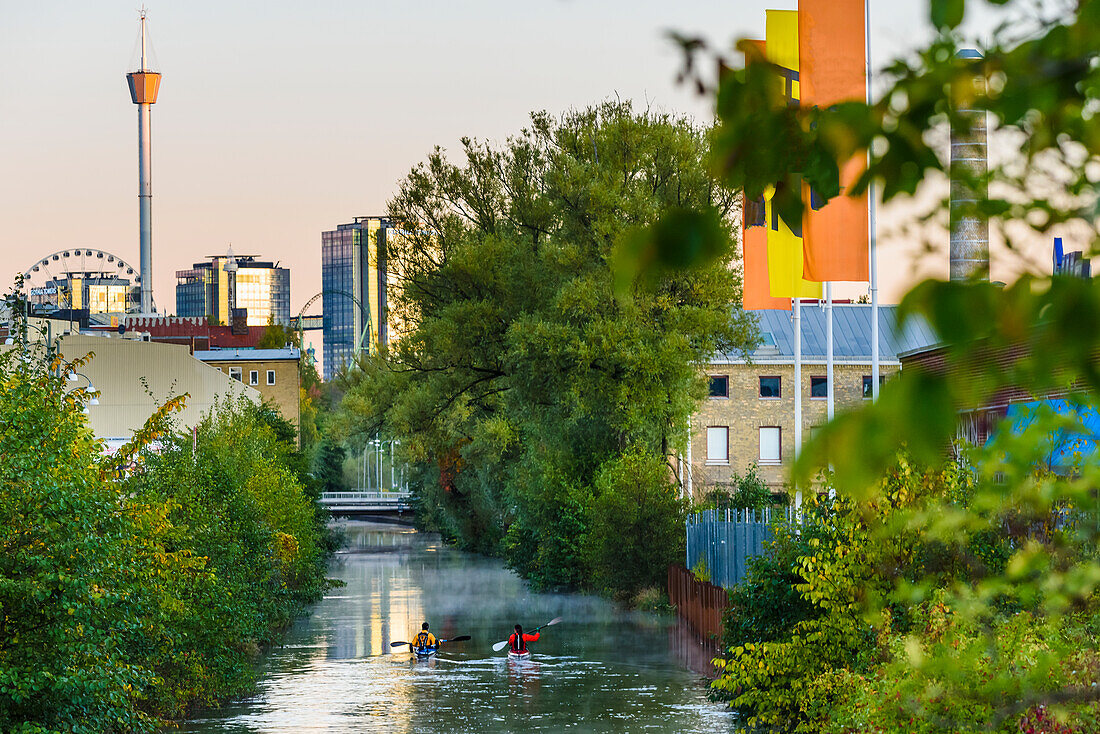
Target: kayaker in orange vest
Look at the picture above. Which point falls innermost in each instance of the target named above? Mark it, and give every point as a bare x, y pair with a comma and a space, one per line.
424, 639
517, 642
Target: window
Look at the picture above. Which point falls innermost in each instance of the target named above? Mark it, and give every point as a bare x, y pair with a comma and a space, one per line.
769, 387
271, 377
718, 446
769, 445
867, 385
819, 387
719, 386
253, 377
235, 373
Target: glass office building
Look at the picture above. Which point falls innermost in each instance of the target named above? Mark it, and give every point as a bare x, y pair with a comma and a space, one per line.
262, 288
354, 286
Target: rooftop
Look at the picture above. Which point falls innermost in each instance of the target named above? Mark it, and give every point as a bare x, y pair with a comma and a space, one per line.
247, 355
851, 334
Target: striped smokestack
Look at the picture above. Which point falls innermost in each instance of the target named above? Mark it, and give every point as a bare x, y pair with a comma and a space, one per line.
969, 145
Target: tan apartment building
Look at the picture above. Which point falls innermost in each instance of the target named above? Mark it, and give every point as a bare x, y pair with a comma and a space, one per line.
748, 416
274, 373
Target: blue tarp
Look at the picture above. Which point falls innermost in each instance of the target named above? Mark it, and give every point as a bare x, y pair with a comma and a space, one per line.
1067, 448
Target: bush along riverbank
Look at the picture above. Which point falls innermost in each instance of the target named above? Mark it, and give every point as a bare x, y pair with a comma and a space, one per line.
865, 621
129, 598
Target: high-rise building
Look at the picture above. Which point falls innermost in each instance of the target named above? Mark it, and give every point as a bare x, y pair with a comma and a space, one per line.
354, 284
262, 289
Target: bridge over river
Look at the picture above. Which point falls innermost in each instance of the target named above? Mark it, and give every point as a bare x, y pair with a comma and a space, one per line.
603, 669
366, 502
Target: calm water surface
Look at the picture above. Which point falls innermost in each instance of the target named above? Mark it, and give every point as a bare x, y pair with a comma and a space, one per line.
600, 670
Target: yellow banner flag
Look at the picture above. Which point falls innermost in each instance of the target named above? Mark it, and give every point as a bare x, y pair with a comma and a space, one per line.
785, 258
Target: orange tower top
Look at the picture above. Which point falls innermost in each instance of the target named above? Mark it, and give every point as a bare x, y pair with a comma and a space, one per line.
144, 83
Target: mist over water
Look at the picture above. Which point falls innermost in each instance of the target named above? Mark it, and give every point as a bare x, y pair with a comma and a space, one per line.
601, 670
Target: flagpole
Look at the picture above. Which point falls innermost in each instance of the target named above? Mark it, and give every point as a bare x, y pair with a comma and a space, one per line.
796, 319
873, 245
829, 405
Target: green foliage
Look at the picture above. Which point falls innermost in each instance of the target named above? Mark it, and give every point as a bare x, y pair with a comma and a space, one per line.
126, 600
70, 564
277, 336
743, 492
234, 502
766, 605
524, 366
327, 466
635, 524
546, 541
803, 614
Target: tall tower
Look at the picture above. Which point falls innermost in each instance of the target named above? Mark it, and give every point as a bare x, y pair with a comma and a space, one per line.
144, 85
969, 144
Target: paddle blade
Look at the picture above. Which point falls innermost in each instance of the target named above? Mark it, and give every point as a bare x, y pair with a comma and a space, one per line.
460, 638
395, 644
499, 646
552, 622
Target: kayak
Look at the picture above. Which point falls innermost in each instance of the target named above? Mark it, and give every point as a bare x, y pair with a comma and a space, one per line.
525, 655
423, 653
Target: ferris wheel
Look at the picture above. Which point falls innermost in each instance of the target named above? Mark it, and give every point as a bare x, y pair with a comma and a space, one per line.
49, 281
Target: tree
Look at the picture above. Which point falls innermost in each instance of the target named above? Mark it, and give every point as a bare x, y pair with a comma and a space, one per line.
277, 336
138, 585
520, 364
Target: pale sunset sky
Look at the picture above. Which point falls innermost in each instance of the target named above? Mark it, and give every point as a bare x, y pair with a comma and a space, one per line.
277, 120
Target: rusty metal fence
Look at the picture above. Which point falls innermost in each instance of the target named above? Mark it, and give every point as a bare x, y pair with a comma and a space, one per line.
699, 603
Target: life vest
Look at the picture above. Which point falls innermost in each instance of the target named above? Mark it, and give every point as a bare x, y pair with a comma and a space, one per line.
518, 643
422, 640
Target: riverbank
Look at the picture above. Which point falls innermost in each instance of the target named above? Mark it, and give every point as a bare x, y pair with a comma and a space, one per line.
602, 669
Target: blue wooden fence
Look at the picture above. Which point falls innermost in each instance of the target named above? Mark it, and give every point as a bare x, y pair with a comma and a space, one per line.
725, 540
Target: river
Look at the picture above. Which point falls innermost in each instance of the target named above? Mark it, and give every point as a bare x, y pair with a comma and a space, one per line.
602, 669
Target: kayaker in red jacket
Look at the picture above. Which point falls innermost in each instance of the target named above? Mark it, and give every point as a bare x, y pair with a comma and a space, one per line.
517, 643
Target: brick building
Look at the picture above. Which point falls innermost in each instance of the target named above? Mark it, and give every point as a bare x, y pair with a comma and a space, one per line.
272, 372
748, 417
194, 332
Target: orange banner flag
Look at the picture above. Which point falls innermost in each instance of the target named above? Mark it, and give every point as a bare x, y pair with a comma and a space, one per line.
755, 286
833, 68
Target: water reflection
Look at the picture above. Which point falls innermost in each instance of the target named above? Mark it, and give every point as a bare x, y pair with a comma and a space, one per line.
601, 670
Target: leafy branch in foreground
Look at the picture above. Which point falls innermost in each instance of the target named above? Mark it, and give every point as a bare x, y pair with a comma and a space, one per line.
969, 600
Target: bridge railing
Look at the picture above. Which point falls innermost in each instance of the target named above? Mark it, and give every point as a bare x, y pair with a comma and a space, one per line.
364, 497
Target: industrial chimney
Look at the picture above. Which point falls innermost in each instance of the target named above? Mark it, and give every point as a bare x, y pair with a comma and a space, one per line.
969, 145
144, 85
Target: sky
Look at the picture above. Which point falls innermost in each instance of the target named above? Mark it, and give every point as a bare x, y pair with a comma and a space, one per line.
278, 120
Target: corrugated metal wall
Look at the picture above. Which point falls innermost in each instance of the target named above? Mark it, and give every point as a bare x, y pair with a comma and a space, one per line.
725, 540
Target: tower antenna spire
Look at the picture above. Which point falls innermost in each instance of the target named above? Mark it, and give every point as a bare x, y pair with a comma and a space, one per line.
144, 85
143, 67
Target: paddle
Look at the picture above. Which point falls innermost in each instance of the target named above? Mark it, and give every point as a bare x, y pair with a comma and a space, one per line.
500, 645
460, 638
